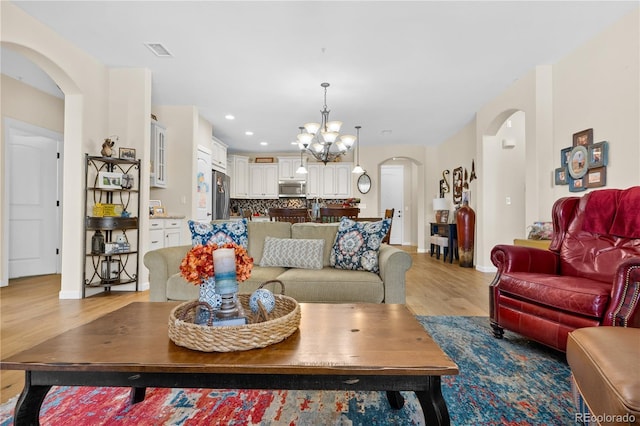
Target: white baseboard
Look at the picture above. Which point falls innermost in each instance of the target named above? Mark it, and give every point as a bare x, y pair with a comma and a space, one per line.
486, 268
70, 295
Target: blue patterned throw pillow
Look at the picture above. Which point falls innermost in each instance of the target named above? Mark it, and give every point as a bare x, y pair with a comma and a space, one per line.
358, 243
233, 231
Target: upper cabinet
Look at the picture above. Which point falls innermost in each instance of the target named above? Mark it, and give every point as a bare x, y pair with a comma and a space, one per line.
263, 180
218, 155
239, 173
158, 176
330, 181
287, 167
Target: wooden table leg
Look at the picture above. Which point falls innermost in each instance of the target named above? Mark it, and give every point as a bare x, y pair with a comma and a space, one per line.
27, 410
137, 395
396, 400
433, 404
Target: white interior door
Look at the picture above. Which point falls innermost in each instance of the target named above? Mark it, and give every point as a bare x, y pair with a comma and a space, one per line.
392, 178
203, 190
32, 187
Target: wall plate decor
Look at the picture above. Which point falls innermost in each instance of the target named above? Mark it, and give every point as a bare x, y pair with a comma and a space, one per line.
564, 156
364, 183
596, 177
577, 185
598, 154
583, 138
457, 185
577, 165
561, 177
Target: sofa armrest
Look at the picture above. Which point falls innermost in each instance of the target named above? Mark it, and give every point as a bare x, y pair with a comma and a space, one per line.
163, 263
394, 263
624, 309
509, 258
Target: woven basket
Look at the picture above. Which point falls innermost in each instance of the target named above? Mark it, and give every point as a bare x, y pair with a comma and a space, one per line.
282, 322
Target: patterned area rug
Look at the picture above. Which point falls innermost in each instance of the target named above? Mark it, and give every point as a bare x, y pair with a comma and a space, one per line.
502, 382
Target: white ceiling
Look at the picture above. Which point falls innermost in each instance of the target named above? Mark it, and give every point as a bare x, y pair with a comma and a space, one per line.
417, 69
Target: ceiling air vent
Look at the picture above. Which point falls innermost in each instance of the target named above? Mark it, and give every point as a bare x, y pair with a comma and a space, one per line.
159, 50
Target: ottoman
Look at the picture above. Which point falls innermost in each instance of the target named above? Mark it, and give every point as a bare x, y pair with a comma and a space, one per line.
605, 365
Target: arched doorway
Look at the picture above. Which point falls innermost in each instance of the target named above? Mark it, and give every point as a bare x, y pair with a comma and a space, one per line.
503, 183
413, 210
70, 250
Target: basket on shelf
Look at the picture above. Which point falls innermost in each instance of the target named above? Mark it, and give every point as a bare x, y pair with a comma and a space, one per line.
281, 323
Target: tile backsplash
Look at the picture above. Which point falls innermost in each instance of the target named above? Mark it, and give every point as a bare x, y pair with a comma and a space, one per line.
238, 205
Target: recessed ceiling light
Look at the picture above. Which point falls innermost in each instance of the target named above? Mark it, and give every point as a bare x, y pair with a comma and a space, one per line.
386, 132
159, 50
263, 143
248, 133
229, 117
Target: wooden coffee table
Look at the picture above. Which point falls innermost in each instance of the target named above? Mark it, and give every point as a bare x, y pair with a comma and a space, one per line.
372, 347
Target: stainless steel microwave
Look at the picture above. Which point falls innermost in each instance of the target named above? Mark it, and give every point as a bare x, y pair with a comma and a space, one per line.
294, 188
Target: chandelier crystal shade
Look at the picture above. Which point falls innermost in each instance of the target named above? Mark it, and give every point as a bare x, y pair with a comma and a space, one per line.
323, 140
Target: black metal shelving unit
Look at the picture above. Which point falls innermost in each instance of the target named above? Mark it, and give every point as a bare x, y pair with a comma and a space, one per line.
107, 269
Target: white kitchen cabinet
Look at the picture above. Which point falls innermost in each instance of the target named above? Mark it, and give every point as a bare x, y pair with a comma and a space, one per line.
287, 167
218, 155
239, 174
165, 232
313, 180
330, 181
342, 182
263, 181
158, 175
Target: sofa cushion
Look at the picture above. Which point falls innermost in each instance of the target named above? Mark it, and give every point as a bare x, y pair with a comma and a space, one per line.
572, 294
357, 244
179, 289
292, 253
259, 231
332, 285
232, 231
324, 231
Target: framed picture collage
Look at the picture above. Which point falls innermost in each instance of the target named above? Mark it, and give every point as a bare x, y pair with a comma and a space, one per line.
584, 164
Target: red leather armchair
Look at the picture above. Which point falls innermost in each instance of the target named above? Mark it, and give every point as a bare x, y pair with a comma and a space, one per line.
590, 275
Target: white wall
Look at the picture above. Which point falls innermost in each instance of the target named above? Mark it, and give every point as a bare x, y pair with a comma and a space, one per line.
84, 82
181, 123
598, 86
93, 96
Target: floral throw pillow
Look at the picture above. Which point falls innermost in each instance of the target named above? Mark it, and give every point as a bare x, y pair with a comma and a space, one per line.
233, 231
357, 244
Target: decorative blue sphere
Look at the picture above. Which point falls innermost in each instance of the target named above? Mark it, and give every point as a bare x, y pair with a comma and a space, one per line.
265, 297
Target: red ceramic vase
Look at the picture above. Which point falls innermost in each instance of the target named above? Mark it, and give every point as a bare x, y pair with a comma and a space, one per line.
466, 223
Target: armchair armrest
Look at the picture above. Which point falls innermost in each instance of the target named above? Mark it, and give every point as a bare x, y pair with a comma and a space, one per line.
394, 263
163, 263
509, 258
623, 309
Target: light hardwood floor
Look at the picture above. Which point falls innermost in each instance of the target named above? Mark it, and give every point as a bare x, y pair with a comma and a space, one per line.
31, 312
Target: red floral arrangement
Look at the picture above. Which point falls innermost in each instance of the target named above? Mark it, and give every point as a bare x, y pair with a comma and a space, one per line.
197, 265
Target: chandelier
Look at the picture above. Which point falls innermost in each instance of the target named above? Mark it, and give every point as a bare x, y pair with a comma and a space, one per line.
323, 140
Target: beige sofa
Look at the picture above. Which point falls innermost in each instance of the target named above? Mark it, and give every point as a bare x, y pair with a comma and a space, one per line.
305, 285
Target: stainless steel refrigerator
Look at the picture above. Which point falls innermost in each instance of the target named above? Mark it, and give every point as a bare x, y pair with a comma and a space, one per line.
221, 190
